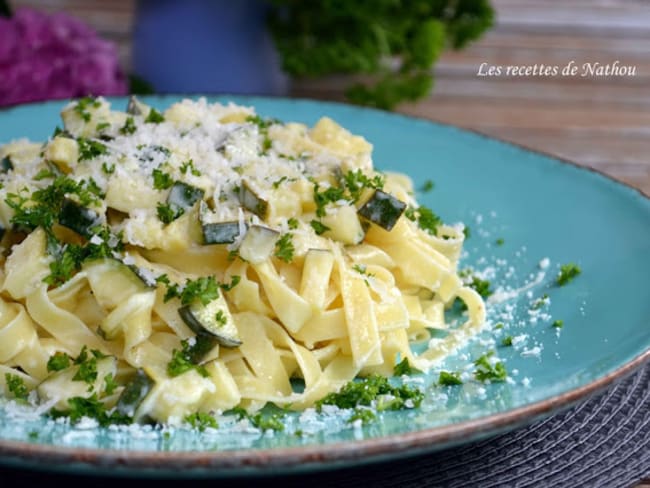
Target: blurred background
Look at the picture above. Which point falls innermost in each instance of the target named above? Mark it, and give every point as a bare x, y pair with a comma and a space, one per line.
601, 120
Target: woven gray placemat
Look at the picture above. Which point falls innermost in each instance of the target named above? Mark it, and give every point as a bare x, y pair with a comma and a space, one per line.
603, 441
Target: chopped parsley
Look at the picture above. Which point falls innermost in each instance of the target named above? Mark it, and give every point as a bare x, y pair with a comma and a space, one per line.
567, 273
375, 391
87, 371
404, 368
234, 281
353, 183
83, 106
101, 126
167, 212
292, 223
445, 378
263, 126
467, 232
357, 181
361, 269
267, 422
284, 248
500, 241
329, 195
220, 318
487, 371
276, 184
481, 286
558, 324
16, 386
68, 261
181, 361
69, 257
365, 415
427, 186
93, 408
108, 169
262, 123
129, 126
201, 421
506, 341
318, 227
189, 166
425, 219
90, 149
43, 206
499, 325
161, 180
58, 361
540, 302
109, 384
154, 117
259, 420
204, 289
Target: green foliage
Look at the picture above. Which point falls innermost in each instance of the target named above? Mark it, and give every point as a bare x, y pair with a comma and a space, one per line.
325, 37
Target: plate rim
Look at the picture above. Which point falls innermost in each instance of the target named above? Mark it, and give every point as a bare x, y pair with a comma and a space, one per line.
250, 462
258, 461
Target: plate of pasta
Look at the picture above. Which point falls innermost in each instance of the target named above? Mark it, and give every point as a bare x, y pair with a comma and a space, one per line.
193, 283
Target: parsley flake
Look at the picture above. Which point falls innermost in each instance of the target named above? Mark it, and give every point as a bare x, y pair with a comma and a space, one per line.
16, 386
58, 361
154, 117
129, 126
486, 370
161, 180
404, 368
181, 362
318, 227
445, 378
567, 273
201, 421
284, 248
90, 149
375, 390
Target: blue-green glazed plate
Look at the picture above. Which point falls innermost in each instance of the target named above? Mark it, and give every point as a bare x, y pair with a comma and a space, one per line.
528, 214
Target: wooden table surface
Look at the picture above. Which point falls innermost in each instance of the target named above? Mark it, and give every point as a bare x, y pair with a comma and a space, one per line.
602, 122
598, 121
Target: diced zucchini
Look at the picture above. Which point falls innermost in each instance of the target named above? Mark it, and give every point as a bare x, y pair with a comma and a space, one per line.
180, 199
183, 195
136, 107
213, 319
77, 218
220, 232
134, 393
203, 345
252, 201
6, 165
382, 209
112, 281
258, 244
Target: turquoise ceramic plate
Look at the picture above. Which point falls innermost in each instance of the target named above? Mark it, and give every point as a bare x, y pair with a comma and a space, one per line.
546, 211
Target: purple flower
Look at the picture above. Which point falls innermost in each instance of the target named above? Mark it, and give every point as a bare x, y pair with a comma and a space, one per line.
54, 56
